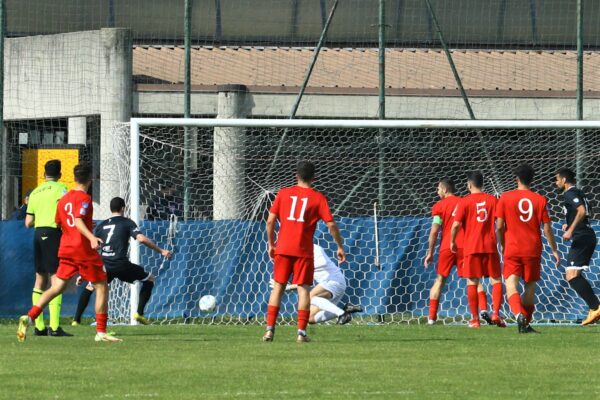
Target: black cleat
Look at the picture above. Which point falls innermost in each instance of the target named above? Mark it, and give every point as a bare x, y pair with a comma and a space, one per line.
344, 318
529, 329
38, 332
351, 308
484, 315
58, 332
522, 323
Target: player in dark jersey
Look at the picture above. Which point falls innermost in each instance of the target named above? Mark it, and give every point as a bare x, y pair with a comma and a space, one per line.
115, 233
583, 240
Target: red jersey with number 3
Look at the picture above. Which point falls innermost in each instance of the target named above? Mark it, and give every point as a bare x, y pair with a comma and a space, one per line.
446, 210
298, 210
476, 212
73, 245
523, 211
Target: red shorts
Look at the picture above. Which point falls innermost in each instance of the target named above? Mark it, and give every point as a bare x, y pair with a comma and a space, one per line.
528, 268
90, 270
447, 259
303, 269
481, 265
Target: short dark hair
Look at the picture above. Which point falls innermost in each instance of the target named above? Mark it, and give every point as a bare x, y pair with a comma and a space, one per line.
82, 173
476, 178
525, 173
448, 183
568, 174
305, 171
52, 168
117, 204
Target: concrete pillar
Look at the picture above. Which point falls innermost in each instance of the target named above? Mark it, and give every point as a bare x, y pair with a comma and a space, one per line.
228, 160
77, 130
115, 86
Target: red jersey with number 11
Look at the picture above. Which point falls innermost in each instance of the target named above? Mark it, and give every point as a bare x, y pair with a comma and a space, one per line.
476, 212
73, 245
298, 210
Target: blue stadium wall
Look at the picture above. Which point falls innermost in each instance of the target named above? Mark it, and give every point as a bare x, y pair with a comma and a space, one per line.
229, 261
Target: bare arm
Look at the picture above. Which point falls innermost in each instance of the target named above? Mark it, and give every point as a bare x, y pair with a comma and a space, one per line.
271, 234
500, 230
581, 212
335, 232
29, 220
551, 241
94, 241
453, 233
433, 235
151, 245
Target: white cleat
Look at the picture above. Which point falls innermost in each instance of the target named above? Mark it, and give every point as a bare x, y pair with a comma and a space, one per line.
103, 337
431, 322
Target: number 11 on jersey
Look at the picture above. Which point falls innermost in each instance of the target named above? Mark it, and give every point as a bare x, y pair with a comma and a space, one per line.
300, 218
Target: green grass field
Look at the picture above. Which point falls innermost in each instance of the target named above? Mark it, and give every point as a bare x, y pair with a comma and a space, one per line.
355, 361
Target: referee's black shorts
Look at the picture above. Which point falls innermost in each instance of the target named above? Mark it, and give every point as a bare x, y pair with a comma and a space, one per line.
581, 251
46, 241
126, 271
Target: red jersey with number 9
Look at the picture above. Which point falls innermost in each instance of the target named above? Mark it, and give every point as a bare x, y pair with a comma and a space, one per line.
298, 210
476, 212
73, 245
523, 211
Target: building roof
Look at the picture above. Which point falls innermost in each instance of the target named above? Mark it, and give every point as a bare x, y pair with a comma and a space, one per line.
408, 71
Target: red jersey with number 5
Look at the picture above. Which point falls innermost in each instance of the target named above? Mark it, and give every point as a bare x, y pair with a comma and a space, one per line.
523, 211
298, 210
73, 245
476, 212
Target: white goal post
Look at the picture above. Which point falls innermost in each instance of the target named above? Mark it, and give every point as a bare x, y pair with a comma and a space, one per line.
417, 153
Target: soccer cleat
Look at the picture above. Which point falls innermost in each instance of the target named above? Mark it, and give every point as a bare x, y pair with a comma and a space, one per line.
74, 323
40, 332
522, 323
351, 308
474, 323
499, 322
268, 336
484, 315
431, 322
141, 319
592, 317
302, 339
103, 337
58, 332
529, 329
344, 318
22, 329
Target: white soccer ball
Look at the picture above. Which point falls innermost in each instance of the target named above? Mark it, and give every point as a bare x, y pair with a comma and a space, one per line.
207, 303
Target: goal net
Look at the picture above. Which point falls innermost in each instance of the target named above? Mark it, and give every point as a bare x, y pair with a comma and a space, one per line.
203, 188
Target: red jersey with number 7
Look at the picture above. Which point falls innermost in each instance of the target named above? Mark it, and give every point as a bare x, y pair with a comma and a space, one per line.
298, 210
523, 211
476, 212
73, 245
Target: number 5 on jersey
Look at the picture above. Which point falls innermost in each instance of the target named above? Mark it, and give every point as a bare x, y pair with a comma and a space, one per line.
300, 218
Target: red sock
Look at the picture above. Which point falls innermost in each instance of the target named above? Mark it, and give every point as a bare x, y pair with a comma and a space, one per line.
433, 307
528, 311
515, 304
34, 312
303, 319
482, 298
497, 298
472, 297
101, 322
272, 313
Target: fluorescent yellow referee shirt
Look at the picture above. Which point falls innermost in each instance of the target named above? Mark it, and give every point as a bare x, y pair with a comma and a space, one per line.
42, 203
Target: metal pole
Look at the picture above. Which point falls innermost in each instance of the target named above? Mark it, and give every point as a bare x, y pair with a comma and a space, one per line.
380, 137
111, 14
187, 31
134, 181
579, 134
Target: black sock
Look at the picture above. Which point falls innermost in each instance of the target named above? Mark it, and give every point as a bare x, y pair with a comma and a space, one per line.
585, 291
84, 299
145, 293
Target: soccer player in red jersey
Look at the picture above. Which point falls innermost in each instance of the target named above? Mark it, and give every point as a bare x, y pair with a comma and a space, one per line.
298, 209
77, 254
476, 213
519, 215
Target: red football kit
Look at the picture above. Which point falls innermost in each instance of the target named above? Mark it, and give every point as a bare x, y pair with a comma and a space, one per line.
476, 212
75, 252
523, 211
298, 210
446, 209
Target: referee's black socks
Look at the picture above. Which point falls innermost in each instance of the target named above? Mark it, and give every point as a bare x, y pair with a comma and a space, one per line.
585, 291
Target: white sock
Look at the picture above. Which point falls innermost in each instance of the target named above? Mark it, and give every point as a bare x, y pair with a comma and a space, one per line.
326, 305
323, 316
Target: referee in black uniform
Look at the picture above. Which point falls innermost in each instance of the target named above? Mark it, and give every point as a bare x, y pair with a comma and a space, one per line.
577, 229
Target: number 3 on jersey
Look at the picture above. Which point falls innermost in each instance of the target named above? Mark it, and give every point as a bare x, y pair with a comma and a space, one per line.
300, 218
70, 216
